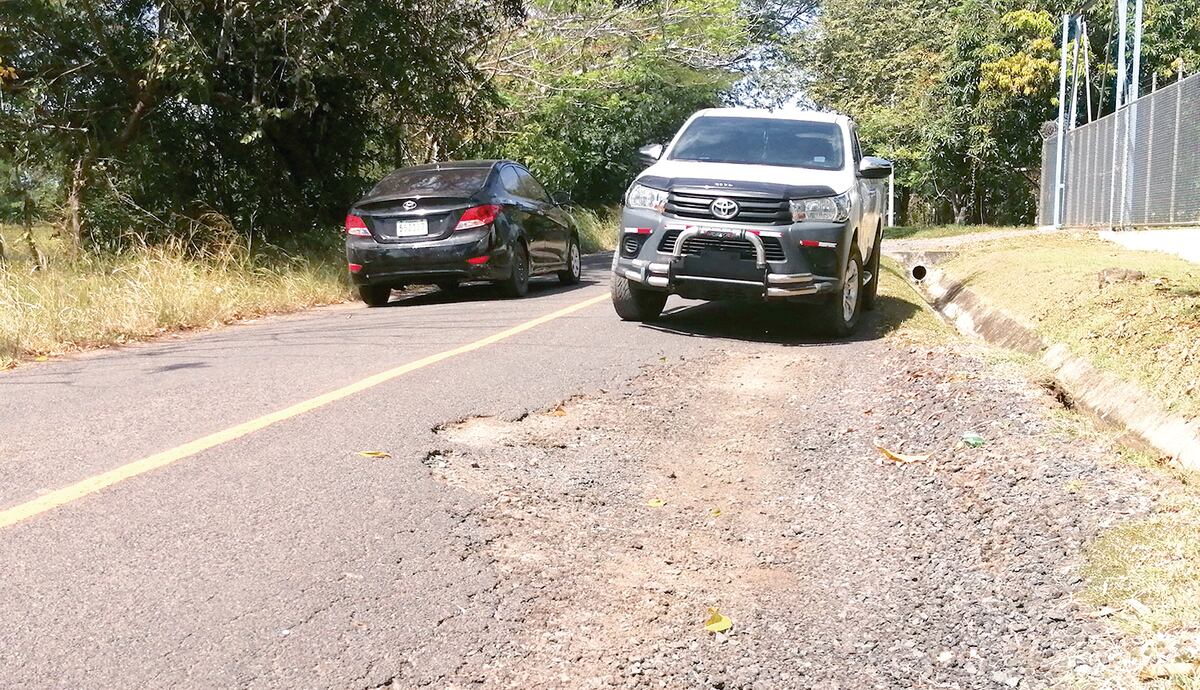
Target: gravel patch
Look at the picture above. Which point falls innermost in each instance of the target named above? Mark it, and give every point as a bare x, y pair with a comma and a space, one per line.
839, 569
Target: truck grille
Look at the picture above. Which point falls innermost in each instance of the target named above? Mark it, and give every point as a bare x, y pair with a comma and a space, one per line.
751, 209
695, 245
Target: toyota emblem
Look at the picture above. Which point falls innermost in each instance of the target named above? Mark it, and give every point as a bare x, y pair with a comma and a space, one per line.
409, 205
723, 208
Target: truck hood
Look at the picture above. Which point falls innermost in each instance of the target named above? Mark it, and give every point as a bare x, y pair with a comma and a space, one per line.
675, 173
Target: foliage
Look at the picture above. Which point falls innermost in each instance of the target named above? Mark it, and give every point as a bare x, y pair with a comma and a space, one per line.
956, 91
150, 119
269, 113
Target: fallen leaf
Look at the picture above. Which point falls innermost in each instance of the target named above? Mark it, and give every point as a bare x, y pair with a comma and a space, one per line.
1157, 671
715, 512
1137, 606
902, 458
374, 453
717, 622
40, 358
656, 503
973, 439
559, 411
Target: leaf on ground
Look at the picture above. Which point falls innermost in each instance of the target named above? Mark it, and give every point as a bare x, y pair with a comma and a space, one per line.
559, 411
41, 358
717, 622
902, 458
656, 503
1140, 608
715, 512
973, 439
374, 453
1176, 670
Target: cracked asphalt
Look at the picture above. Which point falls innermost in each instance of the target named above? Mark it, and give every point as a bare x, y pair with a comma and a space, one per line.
473, 555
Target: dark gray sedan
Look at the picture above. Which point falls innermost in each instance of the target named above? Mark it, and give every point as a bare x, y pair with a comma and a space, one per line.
446, 223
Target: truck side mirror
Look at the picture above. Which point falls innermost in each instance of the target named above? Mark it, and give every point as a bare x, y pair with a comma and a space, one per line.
650, 153
874, 168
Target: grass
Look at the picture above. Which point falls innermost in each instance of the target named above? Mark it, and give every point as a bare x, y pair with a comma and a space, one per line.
1146, 331
598, 228
924, 232
99, 301
903, 312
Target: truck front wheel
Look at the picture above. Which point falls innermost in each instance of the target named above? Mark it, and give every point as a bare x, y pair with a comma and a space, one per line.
634, 303
842, 312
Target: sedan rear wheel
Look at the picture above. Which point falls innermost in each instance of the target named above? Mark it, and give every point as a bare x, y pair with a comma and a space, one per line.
375, 295
574, 265
517, 284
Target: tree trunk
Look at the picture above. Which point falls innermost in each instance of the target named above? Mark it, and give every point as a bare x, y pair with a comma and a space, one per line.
74, 220
39, 259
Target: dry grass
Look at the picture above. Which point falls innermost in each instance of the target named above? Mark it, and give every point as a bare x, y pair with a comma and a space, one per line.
108, 300
1147, 331
924, 232
598, 228
903, 312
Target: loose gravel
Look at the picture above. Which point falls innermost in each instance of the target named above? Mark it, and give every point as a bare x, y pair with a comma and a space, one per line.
838, 568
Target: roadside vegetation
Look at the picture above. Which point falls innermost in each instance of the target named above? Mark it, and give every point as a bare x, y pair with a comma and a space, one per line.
109, 299
930, 232
1136, 314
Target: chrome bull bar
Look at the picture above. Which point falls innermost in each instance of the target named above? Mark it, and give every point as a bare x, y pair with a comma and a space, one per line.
760, 252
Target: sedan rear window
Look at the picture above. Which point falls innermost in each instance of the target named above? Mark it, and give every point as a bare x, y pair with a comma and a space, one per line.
458, 182
762, 141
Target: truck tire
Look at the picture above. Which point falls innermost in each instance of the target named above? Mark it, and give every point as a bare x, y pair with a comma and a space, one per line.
871, 290
634, 303
842, 312
375, 295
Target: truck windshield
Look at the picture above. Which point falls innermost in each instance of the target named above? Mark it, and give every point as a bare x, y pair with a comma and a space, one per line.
761, 141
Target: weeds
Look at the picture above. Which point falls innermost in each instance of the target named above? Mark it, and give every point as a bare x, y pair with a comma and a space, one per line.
102, 300
598, 228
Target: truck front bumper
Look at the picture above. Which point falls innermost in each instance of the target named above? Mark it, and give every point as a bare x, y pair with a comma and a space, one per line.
731, 262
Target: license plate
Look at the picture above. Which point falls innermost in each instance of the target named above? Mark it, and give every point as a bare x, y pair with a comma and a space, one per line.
722, 233
412, 228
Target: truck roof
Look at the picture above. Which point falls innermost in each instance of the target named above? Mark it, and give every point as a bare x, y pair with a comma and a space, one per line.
783, 114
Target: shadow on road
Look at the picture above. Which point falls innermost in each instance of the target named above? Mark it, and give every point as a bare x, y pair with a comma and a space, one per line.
778, 323
595, 271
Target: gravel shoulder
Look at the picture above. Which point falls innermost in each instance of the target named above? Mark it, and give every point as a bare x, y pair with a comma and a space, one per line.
747, 479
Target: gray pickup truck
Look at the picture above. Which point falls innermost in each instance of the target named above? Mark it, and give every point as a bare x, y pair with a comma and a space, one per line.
758, 205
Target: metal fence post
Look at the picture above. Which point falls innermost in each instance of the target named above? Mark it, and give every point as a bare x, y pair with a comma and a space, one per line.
1175, 150
1060, 154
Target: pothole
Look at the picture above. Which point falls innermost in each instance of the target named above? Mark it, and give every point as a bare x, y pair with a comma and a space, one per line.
480, 432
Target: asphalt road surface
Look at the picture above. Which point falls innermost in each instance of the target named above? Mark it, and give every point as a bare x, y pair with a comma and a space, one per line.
196, 512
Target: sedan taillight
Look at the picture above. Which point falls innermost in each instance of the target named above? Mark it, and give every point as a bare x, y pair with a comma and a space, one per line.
478, 216
356, 227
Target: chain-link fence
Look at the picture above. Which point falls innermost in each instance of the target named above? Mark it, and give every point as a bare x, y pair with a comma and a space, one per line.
1139, 166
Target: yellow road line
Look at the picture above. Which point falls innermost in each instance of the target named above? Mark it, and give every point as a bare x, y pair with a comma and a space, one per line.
91, 485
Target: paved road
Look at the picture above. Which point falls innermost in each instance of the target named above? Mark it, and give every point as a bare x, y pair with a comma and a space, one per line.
279, 556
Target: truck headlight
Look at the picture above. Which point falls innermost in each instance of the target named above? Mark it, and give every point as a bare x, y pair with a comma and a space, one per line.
641, 196
828, 209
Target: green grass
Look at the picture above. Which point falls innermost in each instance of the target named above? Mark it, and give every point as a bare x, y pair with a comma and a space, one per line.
598, 228
99, 301
1146, 331
903, 312
1154, 561
924, 232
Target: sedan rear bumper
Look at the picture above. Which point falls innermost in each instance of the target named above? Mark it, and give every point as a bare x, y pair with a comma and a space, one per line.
428, 262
